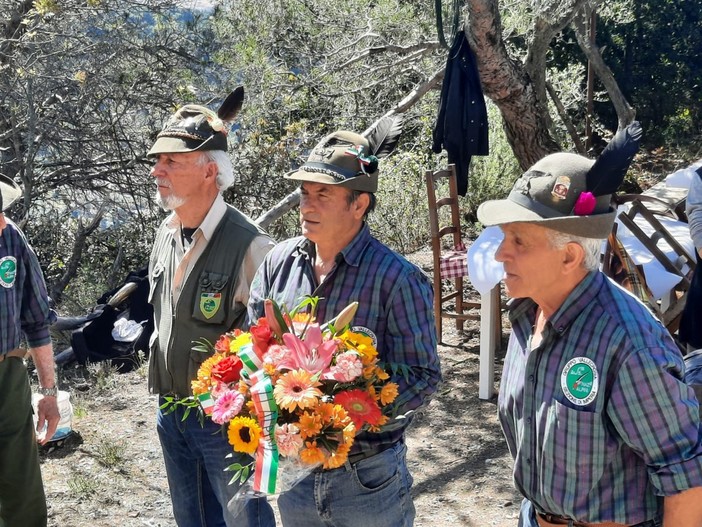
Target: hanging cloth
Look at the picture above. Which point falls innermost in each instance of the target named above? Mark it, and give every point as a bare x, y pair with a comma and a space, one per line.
461, 126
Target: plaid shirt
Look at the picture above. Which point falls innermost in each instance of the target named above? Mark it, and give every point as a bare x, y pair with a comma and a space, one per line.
24, 305
395, 303
604, 445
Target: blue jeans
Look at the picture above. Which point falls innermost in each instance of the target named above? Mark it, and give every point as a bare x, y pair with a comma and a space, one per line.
195, 459
374, 492
527, 517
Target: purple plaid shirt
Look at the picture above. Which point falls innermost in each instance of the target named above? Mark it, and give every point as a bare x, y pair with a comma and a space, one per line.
597, 418
395, 303
24, 305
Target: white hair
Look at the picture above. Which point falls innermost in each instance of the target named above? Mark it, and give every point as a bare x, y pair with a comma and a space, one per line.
225, 170
591, 246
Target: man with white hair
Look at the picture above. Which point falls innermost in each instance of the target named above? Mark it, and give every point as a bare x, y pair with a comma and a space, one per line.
592, 403
203, 260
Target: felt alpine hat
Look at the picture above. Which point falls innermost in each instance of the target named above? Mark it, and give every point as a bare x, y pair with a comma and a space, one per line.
197, 128
342, 158
351, 160
10, 192
567, 192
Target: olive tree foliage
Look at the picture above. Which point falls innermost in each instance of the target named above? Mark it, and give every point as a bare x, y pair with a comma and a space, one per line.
83, 86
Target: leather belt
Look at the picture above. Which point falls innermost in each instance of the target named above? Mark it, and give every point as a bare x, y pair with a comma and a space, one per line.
553, 520
370, 452
19, 353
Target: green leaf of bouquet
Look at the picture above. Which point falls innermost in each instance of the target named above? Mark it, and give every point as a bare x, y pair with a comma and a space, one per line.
203, 345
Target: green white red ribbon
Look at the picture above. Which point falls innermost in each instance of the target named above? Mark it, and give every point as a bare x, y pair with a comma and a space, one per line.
266, 471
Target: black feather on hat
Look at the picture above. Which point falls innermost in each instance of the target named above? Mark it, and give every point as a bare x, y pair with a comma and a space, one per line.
197, 128
568, 192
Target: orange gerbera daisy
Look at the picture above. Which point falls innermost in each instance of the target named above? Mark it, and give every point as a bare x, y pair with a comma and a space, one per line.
388, 393
360, 406
243, 434
310, 425
296, 389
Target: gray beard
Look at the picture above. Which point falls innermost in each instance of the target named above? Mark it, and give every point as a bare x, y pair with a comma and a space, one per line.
169, 203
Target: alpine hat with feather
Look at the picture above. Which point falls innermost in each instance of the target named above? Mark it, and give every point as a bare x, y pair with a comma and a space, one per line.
9, 192
197, 128
567, 192
351, 160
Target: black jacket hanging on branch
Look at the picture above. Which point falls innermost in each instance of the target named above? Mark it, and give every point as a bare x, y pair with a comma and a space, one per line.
461, 126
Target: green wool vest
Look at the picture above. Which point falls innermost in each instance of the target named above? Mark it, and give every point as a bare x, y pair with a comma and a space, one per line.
204, 308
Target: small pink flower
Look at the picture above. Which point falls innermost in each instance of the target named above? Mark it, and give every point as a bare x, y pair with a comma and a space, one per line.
288, 439
347, 368
585, 204
227, 406
275, 354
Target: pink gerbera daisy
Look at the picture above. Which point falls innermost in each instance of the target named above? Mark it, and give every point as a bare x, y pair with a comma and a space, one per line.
227, 406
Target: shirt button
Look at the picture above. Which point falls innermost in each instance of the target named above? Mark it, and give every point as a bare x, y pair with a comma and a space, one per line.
531, 378
561, 329
528, 461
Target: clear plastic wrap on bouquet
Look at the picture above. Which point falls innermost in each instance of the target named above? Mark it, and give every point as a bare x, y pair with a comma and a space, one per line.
289, 473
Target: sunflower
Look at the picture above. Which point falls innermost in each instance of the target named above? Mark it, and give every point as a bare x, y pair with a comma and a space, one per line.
360, 406
244, 434
296, 389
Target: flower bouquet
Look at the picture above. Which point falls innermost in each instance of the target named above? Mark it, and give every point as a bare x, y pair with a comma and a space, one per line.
293, 393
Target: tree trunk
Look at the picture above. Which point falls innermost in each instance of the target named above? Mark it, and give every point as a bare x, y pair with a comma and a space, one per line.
525, 118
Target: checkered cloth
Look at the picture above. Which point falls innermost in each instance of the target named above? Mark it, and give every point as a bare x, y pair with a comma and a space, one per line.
453, 263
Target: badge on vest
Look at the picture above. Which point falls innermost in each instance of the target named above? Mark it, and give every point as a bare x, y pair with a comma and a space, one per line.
8, 271
580, 381
367, 332
210, 304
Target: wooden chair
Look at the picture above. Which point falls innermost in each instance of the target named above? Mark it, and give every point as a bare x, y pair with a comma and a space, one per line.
449, 262
669, 308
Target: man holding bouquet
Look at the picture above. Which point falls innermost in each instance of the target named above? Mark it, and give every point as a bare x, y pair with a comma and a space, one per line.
338, 260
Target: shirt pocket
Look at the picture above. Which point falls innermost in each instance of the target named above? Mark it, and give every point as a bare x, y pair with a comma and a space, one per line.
575, 448
155, 281
211, 303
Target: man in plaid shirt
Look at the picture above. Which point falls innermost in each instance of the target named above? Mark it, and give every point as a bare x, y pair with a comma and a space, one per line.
339, 261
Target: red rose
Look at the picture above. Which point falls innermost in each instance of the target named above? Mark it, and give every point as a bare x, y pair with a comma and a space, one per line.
261, 336
227, 370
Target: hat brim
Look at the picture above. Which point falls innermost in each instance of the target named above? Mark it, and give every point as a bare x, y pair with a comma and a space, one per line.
175, 145
362, 183
502, 211
11, 192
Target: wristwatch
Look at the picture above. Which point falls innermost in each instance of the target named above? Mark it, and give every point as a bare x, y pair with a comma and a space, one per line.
48, 392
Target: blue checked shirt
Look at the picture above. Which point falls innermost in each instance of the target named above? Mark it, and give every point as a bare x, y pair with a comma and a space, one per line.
395, 302
24, 305
597, 418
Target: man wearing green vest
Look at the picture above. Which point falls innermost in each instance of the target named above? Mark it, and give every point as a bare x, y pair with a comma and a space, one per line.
205, 255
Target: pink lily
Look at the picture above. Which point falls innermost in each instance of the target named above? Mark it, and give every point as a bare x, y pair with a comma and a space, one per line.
311, 354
